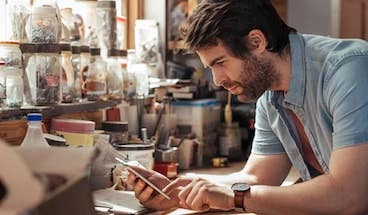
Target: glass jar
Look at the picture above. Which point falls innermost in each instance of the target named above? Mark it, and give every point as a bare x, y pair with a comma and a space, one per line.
11, 74
140, 72
14, 87
106, 24
28, 51
45, 81
43, 25
114, 77
132, 81
76, 64
85, 58
19, 11
10, 54
67, 73
95, 84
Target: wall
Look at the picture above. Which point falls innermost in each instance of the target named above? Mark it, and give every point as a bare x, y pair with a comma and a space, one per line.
315, 16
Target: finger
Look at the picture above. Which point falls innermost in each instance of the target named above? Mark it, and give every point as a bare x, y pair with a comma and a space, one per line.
193, 193
138, 188
184, 194
179, 182
146, 194
131, 179
199, 201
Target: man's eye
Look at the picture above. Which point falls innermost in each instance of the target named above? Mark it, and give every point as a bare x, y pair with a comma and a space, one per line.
220, 63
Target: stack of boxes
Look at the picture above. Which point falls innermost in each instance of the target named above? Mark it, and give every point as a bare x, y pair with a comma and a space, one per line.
201, 117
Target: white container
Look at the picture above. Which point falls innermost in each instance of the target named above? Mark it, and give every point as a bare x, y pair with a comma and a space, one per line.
203, 116
143, 153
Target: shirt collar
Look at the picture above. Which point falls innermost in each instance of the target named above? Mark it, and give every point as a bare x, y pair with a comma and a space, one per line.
295, 94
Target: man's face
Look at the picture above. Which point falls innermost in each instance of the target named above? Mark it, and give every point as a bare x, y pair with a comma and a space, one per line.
248, 78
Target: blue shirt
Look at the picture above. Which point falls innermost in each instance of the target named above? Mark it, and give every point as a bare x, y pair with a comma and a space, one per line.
328, 91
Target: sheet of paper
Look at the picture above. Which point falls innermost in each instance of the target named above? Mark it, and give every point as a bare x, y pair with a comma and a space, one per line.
121, 202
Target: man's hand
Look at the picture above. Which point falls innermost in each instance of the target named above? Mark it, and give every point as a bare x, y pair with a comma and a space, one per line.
202, 195
147, 196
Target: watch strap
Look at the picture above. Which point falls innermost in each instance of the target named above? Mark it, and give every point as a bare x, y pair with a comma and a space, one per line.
239, 199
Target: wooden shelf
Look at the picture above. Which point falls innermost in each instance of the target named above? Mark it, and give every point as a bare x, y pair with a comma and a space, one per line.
13, 123
50, 111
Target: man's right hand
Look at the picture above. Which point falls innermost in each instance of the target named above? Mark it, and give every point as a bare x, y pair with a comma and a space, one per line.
146, 194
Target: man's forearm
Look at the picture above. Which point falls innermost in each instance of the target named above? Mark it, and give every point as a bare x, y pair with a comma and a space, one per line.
318, 196
229, 179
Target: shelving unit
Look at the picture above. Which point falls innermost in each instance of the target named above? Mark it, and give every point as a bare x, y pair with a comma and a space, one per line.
51, 111
13, 125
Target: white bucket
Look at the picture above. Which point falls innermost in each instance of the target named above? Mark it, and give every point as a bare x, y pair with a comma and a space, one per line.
143, 153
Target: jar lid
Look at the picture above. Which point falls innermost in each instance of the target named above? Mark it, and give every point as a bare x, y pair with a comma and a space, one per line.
116, 52
73, 125
48, 48
34, 117
65, 47
28, 47
84, 49
76, 50
133, 147
115, 126
112, 52
106, 4
95, 51
44, 10
122, 53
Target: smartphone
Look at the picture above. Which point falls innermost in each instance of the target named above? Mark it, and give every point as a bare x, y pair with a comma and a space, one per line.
143, 178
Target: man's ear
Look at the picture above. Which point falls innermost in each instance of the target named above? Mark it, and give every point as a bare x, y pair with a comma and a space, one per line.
257, 41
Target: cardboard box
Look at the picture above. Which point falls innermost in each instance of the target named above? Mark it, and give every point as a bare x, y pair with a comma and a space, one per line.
73, 197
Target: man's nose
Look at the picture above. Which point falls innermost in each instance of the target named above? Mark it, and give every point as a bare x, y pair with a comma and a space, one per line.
219, 77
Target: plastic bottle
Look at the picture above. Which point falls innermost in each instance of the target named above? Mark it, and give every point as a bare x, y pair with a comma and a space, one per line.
34, 136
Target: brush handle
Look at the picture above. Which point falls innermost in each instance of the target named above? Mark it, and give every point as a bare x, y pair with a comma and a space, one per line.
228, 114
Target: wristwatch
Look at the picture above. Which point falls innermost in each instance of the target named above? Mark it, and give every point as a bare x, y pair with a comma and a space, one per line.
240, 189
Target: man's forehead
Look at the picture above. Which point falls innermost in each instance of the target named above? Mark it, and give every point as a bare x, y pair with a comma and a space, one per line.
210, 53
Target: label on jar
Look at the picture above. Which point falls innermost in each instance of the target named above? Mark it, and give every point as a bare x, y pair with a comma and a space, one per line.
95, 87
52, 80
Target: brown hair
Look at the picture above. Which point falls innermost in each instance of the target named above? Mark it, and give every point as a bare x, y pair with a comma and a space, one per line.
230, 21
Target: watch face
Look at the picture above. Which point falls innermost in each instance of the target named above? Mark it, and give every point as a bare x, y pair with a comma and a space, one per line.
240, 187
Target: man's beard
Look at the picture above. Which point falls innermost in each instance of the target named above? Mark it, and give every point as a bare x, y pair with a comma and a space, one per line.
255, 78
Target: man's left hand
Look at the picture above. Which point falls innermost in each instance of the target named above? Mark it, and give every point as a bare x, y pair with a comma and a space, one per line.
202, 195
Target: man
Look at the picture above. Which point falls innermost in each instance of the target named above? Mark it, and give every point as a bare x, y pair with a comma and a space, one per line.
312, 113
